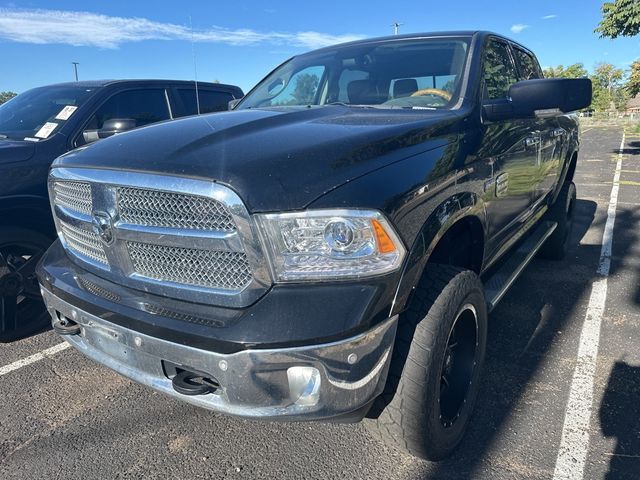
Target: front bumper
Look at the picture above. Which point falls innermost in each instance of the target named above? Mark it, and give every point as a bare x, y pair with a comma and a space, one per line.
254, 383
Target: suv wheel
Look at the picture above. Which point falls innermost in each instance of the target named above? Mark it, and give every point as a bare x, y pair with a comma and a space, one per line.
22, 311
434, 375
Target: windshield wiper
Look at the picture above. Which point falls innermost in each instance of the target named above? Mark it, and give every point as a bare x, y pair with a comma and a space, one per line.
355, 105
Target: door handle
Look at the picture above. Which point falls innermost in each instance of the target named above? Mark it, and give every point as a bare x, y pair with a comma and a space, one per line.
558, 132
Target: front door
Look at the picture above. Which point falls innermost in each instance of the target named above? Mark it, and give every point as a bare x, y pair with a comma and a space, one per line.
511, 148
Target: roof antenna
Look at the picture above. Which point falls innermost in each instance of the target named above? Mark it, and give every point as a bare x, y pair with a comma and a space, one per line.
396, 26
195, 69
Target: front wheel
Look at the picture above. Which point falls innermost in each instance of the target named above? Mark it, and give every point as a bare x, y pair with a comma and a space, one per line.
434, 375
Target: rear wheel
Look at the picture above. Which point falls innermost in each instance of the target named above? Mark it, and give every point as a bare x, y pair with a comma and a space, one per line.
561, 212
22, 311
434, 375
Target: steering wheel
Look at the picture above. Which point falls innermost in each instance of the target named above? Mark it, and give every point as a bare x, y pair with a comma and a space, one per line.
433, 91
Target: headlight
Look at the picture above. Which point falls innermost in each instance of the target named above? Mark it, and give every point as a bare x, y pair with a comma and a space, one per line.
329, 244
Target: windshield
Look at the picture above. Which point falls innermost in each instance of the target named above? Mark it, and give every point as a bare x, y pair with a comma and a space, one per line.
39, 113
422, 73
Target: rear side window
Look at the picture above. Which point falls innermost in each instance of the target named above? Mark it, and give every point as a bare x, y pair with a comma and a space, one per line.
210, 100
529, 68
499, 71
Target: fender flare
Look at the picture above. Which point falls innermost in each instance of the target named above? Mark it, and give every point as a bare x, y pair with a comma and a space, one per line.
37, 205
446, 215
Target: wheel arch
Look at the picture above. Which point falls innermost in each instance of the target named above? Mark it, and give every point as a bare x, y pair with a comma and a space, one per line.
28, 211
461, 214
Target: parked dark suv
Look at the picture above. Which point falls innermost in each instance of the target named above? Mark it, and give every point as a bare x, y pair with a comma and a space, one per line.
45, 122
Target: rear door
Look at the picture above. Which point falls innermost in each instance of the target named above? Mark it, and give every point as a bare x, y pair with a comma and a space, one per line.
550, 135
510, 147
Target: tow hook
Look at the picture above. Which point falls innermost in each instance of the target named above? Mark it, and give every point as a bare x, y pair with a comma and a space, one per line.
65, 326
193, 383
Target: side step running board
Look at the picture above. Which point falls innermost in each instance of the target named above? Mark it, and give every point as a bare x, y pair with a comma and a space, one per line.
497, 285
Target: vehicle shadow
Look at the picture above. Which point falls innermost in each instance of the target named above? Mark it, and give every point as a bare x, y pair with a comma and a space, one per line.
521, 330
631, 148
620, 419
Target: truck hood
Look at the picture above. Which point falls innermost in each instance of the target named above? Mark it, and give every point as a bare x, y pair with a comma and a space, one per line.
16, 150
275, 159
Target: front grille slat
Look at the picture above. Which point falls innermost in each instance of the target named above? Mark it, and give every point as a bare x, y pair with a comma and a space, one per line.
75, 196
190, 266
83, 241
174, 210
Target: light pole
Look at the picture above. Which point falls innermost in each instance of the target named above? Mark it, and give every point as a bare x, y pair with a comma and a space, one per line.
75, 68
395, 26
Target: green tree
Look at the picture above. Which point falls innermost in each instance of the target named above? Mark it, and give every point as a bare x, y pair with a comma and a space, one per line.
6, 96
576, 70
305, 89
607, 83
620, 18
633, 83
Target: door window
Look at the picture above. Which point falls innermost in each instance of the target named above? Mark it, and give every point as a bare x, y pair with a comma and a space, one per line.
499, 70
210, 101
529, 68
143, 106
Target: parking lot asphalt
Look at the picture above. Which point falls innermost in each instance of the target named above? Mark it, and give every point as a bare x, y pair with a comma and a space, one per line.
66, 417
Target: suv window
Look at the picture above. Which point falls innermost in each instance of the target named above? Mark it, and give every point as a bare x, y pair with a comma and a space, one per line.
143, 106
529, 68
499, 71
210, 100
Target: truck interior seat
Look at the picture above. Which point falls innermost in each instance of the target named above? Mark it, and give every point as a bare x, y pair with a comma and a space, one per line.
404, 87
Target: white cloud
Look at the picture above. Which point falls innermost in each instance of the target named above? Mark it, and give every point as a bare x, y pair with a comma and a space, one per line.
549, 17
518, 27
97, 30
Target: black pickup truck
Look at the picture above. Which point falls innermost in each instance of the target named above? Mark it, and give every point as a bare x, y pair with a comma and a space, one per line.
39, 125
331, 248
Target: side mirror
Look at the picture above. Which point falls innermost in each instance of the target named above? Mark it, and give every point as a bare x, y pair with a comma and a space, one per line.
540, 98
234, 102
116, 125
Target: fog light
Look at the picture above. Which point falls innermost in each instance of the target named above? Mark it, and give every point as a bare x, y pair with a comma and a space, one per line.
304, 385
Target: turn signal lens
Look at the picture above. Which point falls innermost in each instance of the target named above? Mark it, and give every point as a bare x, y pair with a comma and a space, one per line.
385, 244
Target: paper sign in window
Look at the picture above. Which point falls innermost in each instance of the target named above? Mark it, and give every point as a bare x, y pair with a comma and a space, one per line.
46, 130
66, 112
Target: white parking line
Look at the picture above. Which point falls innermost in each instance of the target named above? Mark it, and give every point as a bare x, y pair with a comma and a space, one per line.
574, 445
36, 357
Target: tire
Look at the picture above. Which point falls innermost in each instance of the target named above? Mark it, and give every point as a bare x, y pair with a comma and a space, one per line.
24, 313
561, 212
416, 412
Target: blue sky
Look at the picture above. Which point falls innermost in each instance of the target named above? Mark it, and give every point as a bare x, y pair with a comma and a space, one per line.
240, 41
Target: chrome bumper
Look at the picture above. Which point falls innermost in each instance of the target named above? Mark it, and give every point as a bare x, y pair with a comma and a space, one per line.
266, 384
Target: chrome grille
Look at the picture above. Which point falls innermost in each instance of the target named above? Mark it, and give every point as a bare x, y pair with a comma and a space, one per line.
75, 196
204, 268
84, 241
174, 210
176, 237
